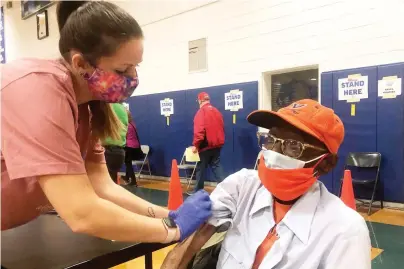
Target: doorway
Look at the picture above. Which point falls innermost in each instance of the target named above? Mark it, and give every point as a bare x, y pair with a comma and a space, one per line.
281, 88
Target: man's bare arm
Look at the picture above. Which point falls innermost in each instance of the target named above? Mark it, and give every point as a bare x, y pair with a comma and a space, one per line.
182, 254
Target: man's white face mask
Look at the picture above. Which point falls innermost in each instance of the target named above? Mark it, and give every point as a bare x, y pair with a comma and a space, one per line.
276, 160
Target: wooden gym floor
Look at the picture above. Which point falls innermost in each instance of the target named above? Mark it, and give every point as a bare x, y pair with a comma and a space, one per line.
386, 229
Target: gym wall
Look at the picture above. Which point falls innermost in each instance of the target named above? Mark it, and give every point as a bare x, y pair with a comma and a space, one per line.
248, 37
244, 39
377, 125
168, 142
21, 37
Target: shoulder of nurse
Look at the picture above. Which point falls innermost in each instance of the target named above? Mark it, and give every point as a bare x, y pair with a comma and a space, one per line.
22, 67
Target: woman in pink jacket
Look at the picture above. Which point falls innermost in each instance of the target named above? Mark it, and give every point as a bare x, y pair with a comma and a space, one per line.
132, 150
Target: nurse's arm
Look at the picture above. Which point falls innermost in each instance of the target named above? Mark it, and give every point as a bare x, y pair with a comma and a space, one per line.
107, 189
182, 254
84, 211
224, 206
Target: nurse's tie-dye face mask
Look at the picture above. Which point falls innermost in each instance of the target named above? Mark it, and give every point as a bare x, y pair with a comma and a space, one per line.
109, 86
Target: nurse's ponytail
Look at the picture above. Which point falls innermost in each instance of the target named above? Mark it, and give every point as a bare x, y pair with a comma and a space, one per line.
96, 29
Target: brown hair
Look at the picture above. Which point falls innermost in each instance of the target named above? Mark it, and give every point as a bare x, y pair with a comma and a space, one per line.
96, 29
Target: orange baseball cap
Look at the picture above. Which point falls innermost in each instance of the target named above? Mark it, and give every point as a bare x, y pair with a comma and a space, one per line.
203, 96
308, 116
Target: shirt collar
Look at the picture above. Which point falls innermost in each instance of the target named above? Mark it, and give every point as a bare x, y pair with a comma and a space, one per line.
299, 218
263, 199
206, 104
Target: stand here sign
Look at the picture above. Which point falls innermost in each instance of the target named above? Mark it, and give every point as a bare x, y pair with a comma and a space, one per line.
167, 107
233, 100
353, 88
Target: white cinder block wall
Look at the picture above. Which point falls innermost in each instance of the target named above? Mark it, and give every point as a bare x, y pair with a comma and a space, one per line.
246, 38
21, 37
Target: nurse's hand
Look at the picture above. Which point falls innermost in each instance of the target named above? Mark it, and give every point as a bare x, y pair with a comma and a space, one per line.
192, 213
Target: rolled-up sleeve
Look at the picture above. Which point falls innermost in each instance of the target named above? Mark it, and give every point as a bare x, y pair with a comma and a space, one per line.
225, 199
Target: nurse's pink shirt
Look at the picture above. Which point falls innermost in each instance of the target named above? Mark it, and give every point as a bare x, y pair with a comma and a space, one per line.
43, 132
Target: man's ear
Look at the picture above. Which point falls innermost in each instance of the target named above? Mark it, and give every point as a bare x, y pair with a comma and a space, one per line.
327, 164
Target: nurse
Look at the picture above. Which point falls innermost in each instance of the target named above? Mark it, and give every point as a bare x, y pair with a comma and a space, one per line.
53, 115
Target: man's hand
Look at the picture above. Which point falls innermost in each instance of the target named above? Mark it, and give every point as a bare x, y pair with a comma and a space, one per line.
194, 150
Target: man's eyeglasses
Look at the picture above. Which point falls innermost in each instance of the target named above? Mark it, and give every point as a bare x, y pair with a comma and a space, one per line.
289, 147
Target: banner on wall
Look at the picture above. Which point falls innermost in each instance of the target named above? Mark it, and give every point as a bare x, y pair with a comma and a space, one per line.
233, 100
389, 87
2, 43
353, 88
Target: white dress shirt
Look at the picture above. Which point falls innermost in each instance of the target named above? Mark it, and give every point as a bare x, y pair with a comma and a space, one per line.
318, 232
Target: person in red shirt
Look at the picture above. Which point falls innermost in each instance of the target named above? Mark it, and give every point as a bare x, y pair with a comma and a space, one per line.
208, 140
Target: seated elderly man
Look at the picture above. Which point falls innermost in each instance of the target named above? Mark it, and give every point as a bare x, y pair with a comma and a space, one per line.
280, 216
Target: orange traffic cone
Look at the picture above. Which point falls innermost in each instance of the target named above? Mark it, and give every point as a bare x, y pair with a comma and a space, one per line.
175, 192
347, 193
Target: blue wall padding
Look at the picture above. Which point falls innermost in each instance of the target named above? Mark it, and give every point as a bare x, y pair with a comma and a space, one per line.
360, 130
246, 147
390, 137
378, 125
165, 140
169, 142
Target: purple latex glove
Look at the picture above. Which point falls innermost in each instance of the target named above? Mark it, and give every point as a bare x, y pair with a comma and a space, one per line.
192, 213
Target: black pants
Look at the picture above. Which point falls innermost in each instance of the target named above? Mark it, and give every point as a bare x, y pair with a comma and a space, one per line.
115, 157
210, 157
132, 154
